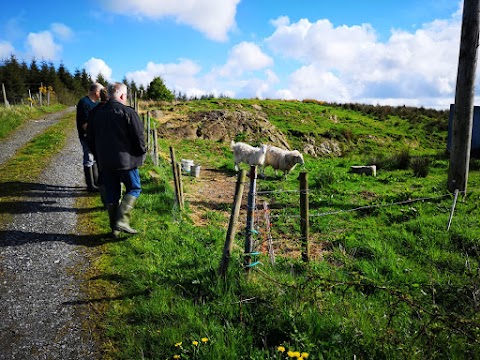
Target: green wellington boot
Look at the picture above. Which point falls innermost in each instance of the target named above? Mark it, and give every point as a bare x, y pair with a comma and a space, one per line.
125, 213
112, 216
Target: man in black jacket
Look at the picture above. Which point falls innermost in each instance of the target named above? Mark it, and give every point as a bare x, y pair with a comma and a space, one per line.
115, 136
84, 106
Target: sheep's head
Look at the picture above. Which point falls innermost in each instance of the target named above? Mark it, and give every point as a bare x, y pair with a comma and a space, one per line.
298, 157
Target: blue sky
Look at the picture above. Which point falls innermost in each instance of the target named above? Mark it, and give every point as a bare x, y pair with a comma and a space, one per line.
372, 51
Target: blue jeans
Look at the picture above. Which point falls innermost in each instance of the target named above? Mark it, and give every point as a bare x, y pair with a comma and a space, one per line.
113, 179
87, 155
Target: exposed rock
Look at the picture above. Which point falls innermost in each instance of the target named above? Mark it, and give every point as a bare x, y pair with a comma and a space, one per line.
326, 148
223, 125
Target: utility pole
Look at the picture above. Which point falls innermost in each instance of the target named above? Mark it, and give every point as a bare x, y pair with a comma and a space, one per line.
464, 95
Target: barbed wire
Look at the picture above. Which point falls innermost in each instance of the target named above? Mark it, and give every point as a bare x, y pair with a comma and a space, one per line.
359, 208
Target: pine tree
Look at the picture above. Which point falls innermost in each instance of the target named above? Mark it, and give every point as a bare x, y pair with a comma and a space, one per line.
158, 91
101, 79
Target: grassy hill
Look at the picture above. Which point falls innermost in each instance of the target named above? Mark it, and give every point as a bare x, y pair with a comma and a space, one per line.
386, 279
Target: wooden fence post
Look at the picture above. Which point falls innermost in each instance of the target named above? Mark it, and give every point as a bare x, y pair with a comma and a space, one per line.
5, 101
176, 182
232, 225
304, 215
250, 218
155, 147
148, 130
180, 183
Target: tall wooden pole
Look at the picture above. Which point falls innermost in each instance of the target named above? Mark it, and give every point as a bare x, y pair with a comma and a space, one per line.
464, 95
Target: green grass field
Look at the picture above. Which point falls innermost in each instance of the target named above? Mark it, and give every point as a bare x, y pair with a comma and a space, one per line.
386, 281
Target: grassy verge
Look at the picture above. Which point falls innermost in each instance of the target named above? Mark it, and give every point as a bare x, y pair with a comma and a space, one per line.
15, 116
29, 162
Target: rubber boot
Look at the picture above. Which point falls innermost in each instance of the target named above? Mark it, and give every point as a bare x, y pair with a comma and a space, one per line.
103, 195
89, 179
124, 214
112, 217
95, 174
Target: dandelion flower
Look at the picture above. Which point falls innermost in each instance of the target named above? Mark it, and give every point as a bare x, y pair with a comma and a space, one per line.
204, 340
176, 356
281, 349
195, 343
290, 354
296, 354
178, 344
305, 355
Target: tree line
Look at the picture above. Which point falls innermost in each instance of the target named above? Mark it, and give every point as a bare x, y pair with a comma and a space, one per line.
23, 82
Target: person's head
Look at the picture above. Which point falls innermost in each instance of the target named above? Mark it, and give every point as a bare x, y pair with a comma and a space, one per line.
94, 91
118, 91
103, 95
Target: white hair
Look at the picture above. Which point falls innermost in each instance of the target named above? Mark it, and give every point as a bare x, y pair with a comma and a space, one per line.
116, 90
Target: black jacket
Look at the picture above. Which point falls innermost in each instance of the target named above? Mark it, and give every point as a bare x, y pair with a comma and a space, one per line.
115, 136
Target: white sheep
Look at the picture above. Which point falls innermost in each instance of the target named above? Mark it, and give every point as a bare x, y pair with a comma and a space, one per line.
280, 159
248, 154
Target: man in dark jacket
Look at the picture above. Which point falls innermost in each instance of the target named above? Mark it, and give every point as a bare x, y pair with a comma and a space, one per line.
84, 106
115, 136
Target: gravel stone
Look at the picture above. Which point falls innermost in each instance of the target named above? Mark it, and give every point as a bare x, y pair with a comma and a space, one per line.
41, 304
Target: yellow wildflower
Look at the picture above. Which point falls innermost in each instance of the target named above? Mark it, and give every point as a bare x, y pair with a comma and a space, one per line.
204, 340
176, 356
291, 354
305, 355
281, 349
178, 344
195, 343
296, 354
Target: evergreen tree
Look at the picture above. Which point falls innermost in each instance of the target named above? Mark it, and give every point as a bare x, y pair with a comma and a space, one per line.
14, 80
101, 79
65, 77
34, 77
158, 91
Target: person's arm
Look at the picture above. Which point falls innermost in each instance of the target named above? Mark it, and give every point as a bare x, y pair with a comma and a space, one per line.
138, 139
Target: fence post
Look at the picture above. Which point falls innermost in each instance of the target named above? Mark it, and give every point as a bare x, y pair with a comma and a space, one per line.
7, 105
250, 218
232, 225
155, 147
148, 130
304, 215
175, 179
180, 183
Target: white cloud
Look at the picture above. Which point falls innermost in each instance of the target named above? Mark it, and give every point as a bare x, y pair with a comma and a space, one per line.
42, 46
181, 76
214, 18
62, 31
98, 66
350, 63
6, 49
244, 57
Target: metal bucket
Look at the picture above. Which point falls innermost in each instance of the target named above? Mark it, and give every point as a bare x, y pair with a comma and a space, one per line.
195, 170
187, 165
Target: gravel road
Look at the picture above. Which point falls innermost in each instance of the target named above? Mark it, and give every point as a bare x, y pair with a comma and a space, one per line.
41, 305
